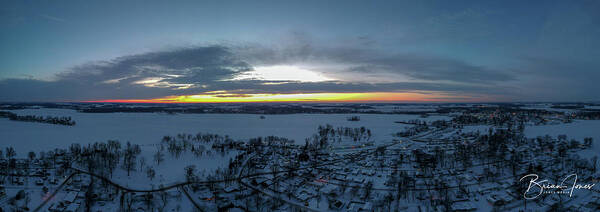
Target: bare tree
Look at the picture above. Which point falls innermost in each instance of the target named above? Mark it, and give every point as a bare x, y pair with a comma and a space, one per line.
31, 155
189, 173
148, 197
10, 153
142, 163
159, 157
368, 189
150, 172
128, 162
164, 199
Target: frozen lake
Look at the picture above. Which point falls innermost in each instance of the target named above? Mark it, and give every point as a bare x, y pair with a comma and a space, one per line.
149, 128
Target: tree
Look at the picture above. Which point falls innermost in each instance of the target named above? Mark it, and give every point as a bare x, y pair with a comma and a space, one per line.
164, 199
10, 153
274, 172
574, 144
344, 186
588, 141
129, 162
150, 172
594, 161
75, 149
189, 173
148, 197
129, 201
368, 189
89, 200
31, 155
114, 145
388, 198
159, 157
142, 163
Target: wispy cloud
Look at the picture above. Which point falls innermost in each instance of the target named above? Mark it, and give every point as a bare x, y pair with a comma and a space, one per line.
52, 18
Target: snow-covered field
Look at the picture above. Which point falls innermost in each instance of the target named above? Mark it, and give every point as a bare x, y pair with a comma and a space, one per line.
172, 170
577, 130
149, 128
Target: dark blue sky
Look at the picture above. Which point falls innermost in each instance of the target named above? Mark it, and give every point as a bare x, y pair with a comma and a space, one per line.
500, 50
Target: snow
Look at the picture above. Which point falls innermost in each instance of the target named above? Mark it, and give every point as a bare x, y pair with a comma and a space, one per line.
171, 170
482, 129
577, 130
595, 107
149, 128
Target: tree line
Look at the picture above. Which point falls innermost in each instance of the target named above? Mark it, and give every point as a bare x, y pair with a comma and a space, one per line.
60, 120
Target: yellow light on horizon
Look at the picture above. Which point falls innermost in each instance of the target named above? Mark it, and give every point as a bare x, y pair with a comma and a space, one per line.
223, 97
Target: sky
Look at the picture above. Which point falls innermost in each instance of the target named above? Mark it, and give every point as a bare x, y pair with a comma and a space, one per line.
299, 51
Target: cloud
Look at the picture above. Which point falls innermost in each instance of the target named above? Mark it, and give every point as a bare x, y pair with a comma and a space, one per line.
355, 60
551, 79
209, 70
147, 75
52, 18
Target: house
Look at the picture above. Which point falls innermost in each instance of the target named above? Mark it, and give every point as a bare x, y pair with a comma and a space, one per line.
230, 189
353, 207
367, 207
329, 189
53, 181
485, 188
297, 182
357, 179
463, 206
205, 195
260, 181
369, 172
70, 197
304, 195
72, 208
336, 204
339, 177
56, 207
506, 197
495, 200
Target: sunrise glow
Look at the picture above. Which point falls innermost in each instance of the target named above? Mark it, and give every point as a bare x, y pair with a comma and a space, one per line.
301, 97
282, 73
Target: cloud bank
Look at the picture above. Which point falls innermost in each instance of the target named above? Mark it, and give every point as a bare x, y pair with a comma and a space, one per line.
351, 68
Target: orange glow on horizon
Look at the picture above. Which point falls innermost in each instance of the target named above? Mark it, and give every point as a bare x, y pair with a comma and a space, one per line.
301, 97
